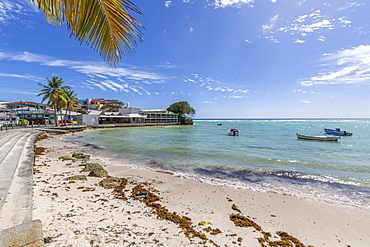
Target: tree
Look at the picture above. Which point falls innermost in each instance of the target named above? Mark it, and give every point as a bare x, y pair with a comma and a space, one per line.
70, 101
184, 110
105, 25
54, 92
111, 105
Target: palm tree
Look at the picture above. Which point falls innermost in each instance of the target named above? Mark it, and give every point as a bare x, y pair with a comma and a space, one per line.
70, 101
54, 92
105, 25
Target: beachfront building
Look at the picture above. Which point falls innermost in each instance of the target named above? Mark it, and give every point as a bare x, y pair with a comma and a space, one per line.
160, 116
123, 116
37, 113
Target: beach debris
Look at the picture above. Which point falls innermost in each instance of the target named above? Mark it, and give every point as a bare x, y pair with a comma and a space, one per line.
110, 182
100, 173
141, 195
76, 177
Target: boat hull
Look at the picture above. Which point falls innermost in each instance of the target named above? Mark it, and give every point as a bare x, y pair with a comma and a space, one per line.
337, 132
318, 138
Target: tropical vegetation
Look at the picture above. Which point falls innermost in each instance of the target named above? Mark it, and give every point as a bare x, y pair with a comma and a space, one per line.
184, 110
55, 93
105, 25
111, 105
69, 104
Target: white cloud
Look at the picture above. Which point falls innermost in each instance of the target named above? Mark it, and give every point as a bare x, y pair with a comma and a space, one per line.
268, 27
349, 66
232, 3
305, 101
26, 77
313, 22
322, 38
299, 41
102, 76
168, 3
350, 5
89, 68
12, 91
14, 10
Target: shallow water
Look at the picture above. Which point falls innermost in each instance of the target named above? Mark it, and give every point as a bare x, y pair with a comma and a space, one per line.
266, 156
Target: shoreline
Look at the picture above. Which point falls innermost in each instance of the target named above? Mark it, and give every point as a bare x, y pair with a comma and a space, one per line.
327, 189
82, 213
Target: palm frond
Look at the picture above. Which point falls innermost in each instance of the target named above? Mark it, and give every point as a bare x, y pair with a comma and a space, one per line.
105, 25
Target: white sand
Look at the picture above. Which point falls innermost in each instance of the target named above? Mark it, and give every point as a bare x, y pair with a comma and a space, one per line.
84, 214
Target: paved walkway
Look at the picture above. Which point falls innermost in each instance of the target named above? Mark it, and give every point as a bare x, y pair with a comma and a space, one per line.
16, 175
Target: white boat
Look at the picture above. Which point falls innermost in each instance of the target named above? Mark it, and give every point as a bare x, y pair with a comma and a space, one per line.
318, 138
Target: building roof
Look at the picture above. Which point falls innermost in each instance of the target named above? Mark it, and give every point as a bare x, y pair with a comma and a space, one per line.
124, 116
24, 103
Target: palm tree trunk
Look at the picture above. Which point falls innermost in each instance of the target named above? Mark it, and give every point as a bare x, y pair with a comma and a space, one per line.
55, 114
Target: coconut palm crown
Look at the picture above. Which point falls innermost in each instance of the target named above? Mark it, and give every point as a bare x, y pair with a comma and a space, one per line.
70, 101
105, 25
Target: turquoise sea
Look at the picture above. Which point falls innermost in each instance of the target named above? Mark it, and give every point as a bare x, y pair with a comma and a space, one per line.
266, 156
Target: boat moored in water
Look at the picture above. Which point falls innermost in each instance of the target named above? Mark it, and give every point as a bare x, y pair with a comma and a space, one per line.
318, 138
337, 132
233, 132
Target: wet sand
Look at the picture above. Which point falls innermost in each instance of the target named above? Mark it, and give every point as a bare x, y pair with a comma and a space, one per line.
148, 208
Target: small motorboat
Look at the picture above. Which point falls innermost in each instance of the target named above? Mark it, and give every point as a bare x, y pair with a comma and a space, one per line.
233, 132
337, 132
318, 138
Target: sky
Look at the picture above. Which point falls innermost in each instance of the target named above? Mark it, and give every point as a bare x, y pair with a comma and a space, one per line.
227, 58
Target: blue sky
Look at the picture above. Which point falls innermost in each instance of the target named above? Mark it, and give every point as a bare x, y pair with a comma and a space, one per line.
227, 58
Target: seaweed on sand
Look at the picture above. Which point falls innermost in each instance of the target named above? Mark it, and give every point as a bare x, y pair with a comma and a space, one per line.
162, 212
286, 239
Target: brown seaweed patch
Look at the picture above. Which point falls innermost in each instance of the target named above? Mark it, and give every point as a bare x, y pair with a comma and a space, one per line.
118, 190
121, 186
212, 231
42, 137
286, 240
162, 212
235, 208
242, 221
40, 150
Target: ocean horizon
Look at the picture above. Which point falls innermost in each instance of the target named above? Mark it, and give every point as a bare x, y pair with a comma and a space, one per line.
266, 156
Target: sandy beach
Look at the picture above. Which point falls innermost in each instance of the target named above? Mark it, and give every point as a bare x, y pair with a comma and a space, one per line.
84, 201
